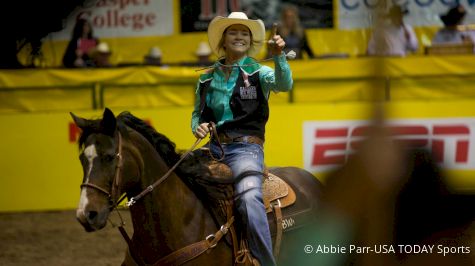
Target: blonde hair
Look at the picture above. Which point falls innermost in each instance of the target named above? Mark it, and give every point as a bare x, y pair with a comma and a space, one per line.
297, 28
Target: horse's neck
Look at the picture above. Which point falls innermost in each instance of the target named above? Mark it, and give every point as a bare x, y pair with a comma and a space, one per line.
171, 216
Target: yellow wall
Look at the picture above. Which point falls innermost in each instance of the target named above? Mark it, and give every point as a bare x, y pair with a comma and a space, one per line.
40, 169
331, 80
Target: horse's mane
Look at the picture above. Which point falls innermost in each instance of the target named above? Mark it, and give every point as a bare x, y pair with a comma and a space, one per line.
164, 146
191, 166
193, 170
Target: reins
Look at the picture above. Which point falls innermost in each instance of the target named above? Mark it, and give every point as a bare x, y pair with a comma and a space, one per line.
133, 200
150, 188
213, 132
290, 55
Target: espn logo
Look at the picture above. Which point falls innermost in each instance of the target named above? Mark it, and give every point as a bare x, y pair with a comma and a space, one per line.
452, 141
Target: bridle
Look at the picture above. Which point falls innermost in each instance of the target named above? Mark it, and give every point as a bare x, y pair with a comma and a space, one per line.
182, 255
115, 182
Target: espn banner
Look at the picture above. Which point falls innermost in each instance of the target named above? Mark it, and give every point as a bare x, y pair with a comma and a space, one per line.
328, 144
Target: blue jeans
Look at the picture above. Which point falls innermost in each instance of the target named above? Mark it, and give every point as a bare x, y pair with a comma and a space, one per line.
242, 157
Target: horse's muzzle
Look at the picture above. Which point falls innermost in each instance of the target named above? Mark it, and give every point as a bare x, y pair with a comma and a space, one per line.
92, 220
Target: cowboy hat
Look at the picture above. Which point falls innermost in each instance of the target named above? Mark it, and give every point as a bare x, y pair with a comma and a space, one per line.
219, 24
101, 48
203, 49
154, 53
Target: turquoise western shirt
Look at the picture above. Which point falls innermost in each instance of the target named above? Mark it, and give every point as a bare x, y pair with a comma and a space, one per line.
220, 90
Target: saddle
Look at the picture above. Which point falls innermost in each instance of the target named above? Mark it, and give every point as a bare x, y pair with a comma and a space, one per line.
213, 184
277, 194
274, 189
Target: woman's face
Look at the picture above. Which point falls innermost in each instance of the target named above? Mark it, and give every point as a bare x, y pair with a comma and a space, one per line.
289, 17
86, 29
237, 40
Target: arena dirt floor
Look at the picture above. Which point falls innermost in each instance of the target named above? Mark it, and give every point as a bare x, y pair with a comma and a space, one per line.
56, 238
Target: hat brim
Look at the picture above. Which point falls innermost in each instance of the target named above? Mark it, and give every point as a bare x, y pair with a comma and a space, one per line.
95, 52
219, 24
154, 57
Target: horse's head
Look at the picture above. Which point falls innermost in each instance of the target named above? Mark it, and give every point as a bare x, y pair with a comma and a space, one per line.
101, 161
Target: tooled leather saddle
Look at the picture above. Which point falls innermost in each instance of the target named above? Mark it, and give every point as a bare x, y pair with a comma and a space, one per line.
216, 190
274, 189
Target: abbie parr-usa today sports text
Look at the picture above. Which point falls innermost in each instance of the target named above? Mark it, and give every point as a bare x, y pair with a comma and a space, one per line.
386, 249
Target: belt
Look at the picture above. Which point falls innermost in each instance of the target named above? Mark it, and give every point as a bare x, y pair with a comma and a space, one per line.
248, 139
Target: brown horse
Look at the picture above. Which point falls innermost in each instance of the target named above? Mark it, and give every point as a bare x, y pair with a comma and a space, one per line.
124, 155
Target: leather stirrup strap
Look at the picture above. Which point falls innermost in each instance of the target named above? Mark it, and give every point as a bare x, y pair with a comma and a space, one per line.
194, 250
214, 134
244, 257
278, 237
232, 229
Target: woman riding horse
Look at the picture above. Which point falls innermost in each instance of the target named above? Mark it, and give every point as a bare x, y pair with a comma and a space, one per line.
234, 95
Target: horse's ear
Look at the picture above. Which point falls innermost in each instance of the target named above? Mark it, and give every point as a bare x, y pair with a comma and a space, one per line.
80, 122
109, 122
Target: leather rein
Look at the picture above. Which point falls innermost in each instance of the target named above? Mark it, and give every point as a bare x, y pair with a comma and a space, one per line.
212, 130
177, 257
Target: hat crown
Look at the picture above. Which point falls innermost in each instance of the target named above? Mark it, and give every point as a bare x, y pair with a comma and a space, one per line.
103, 47
155, 52
238, 15
203, 49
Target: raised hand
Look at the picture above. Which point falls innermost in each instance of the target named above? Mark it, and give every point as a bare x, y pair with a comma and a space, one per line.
275, 44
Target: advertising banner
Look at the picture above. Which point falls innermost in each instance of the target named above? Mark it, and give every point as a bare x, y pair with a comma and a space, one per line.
196, 15
329, 144
123, 18
354, 14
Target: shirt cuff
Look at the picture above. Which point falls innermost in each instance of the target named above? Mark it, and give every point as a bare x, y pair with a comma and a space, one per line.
281, 60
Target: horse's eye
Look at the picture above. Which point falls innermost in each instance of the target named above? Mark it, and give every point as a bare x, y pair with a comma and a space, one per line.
108, 158
82, 158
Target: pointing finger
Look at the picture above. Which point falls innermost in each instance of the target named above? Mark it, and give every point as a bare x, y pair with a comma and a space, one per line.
273, 33
274, 29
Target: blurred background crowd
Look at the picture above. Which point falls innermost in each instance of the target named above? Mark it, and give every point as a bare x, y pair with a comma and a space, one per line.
93, 33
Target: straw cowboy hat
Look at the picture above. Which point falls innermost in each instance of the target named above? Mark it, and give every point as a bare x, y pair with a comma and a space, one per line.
101, 48
219, 24
203, 49
154, 53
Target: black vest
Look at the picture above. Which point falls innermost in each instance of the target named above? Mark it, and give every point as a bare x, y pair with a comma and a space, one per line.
248, 104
